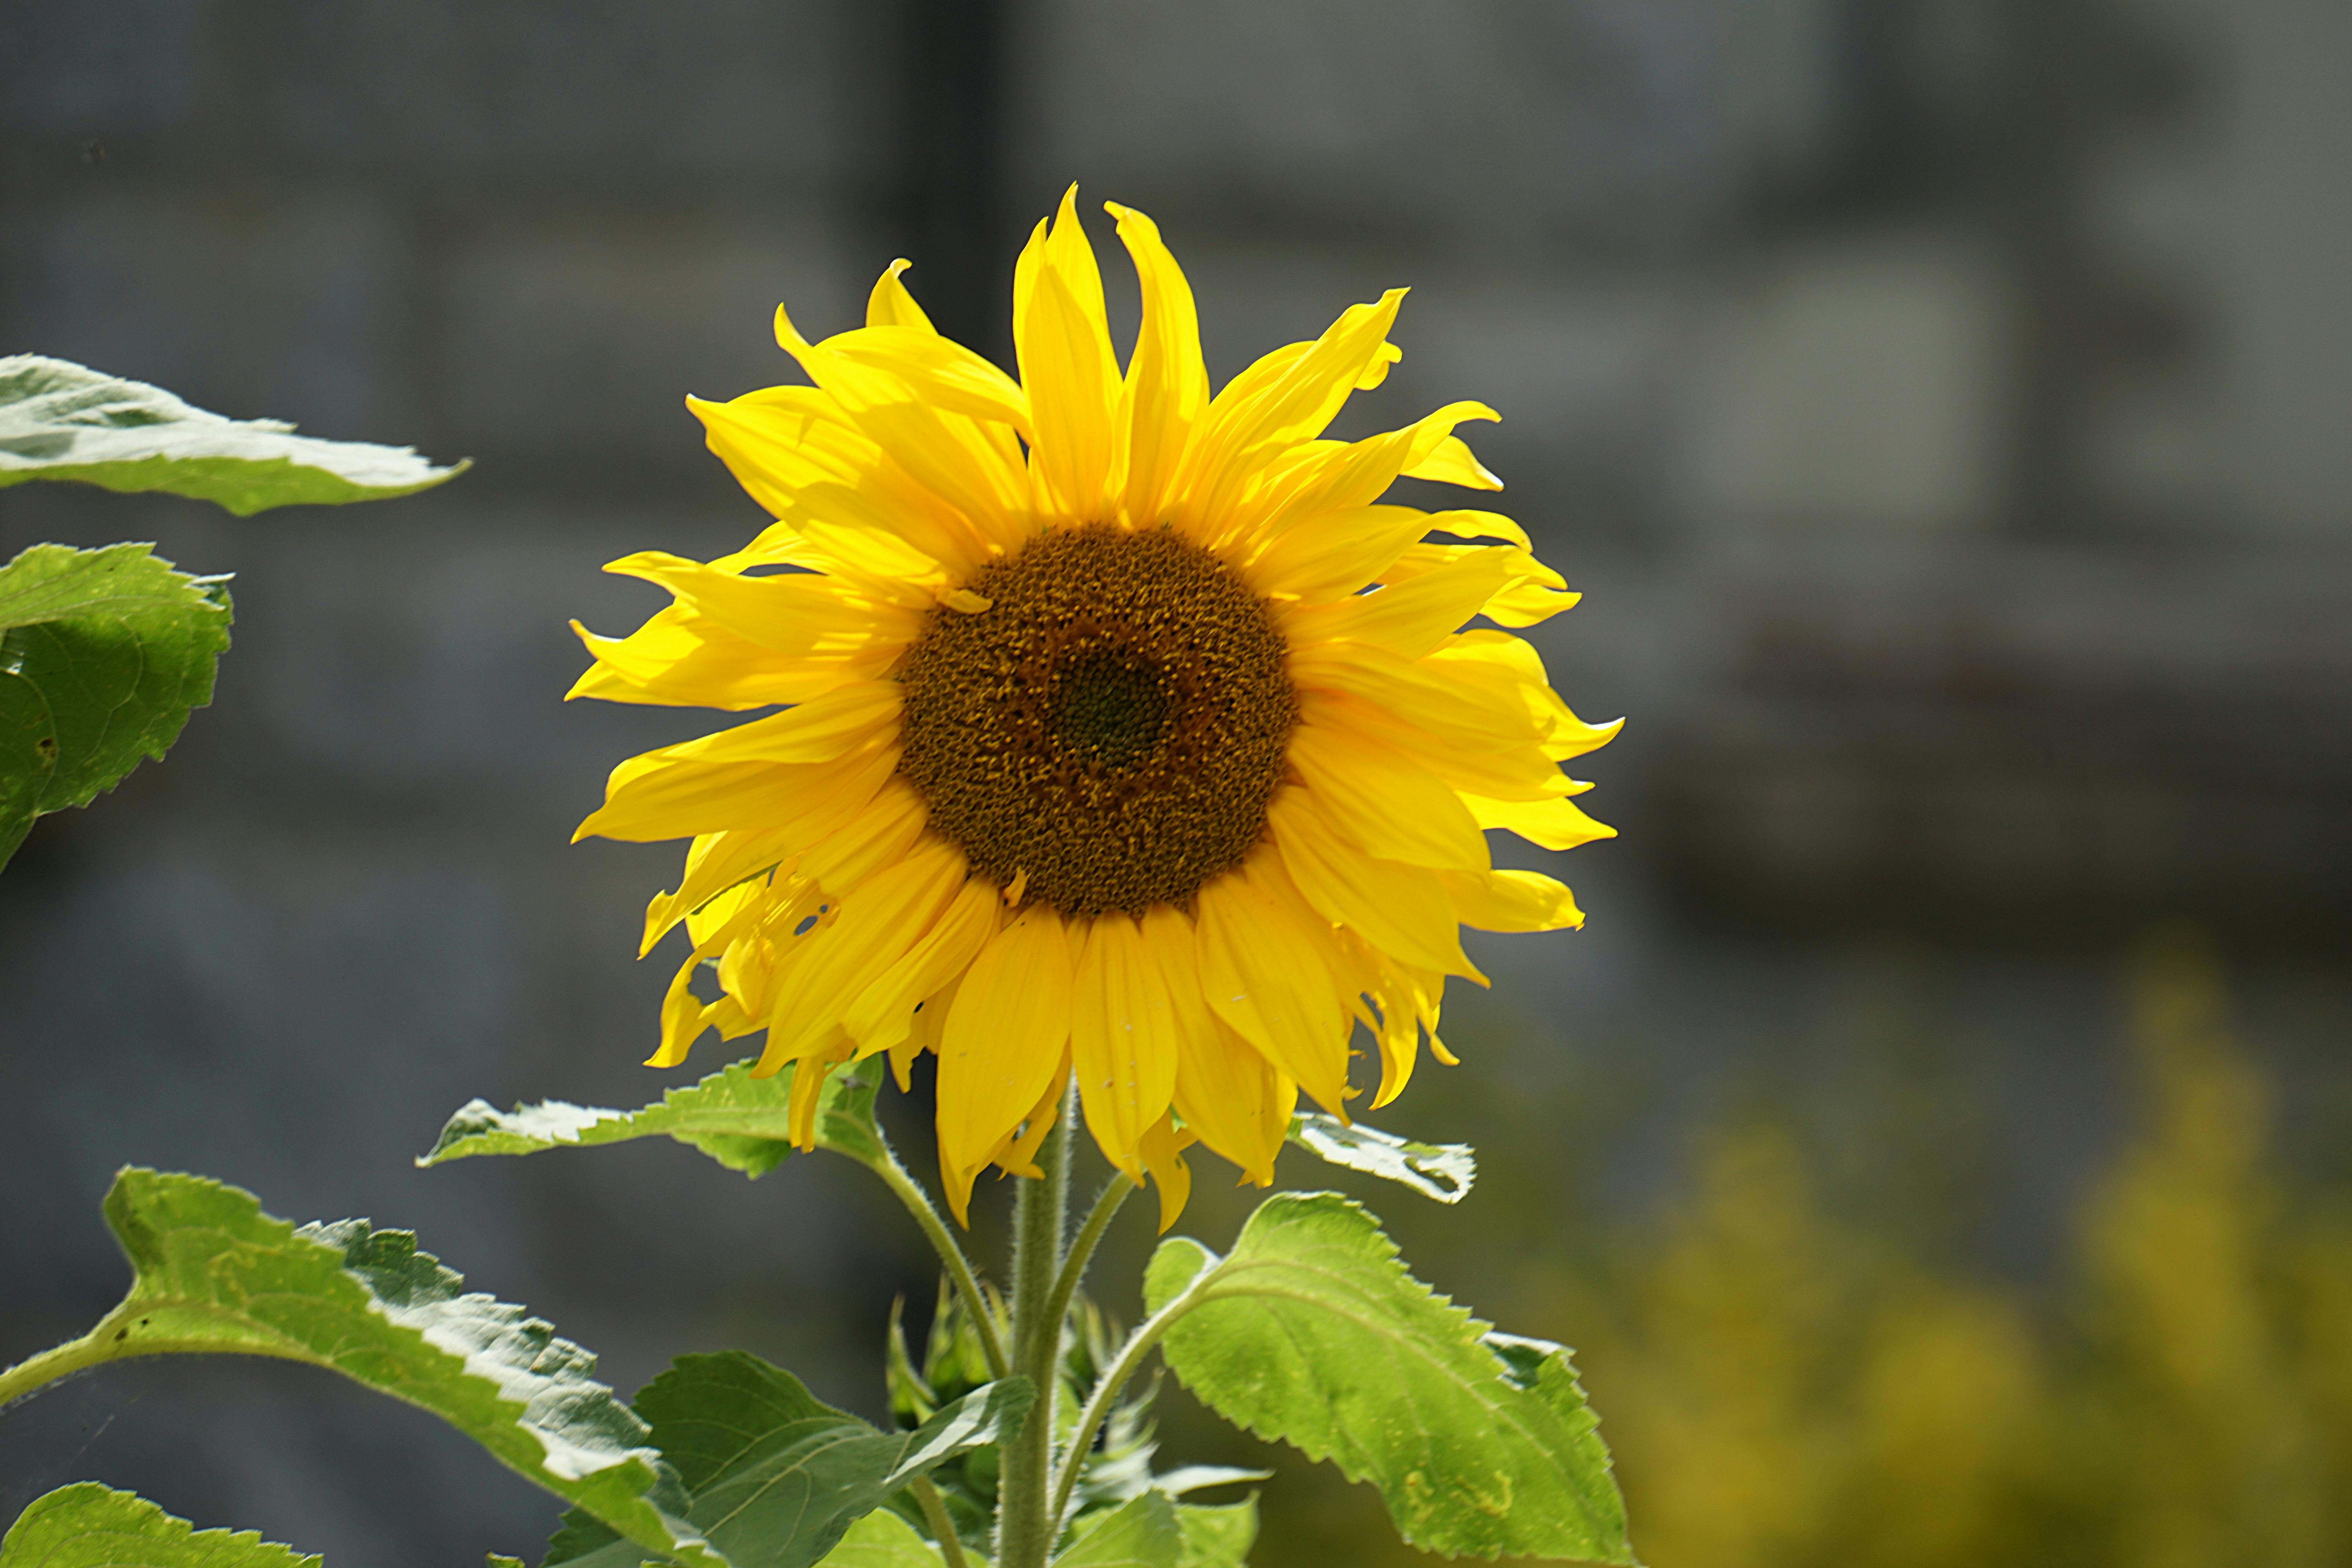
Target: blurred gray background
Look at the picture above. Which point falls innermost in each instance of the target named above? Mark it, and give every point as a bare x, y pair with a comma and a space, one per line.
1941, 404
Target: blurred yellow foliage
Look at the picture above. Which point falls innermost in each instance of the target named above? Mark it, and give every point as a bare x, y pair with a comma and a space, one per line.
1785, 1388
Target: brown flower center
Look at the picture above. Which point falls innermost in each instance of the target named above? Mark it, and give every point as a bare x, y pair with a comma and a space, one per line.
1113, 723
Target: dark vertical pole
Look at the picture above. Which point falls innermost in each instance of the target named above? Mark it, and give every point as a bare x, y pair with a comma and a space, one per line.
948, 219
2044, 140
952, 151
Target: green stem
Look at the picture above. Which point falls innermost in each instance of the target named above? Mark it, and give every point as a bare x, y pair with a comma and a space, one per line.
935, 1513
1124, 1366
1082, 1246
117, 1337
1024, 1535
35, 1373
935, 1230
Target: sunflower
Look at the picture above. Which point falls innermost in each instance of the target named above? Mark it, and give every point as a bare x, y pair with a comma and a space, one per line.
1123, 733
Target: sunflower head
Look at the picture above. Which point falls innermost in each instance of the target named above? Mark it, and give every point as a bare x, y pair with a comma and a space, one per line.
1121, 733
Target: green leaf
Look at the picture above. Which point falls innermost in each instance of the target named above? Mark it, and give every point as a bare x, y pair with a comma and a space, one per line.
215, 1274
1312, 1331
1217, 1537
102, 654
883, 1540
89, 1526
1440, 1171
59, 420
776, 1475
1143, 1533
741, 1121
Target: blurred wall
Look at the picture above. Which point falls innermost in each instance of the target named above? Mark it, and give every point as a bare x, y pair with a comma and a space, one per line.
1938, 403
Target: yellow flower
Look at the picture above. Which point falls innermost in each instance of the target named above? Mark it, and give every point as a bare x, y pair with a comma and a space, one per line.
1095, 754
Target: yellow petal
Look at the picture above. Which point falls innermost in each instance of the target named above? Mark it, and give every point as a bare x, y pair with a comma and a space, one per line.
717, 912
682, 659
1025, 269
802, 614
808, 1086
1506, 666
1511, 900
715, 862
972, 466
939, 371
1266, 974
930, 1023
1468, 524
1298, 402
682, 1012
1378, 370
1413, 617
1225, 1090
1017, 1156
1401, 909
1522, 773
1005, 1038
843, 721
1071, 254
1232, 1095
889, 305
1387, 806
1166, 387
1163, 1149
871, 929
1334, 554
1281, 407
798, 454
651, 798
1122, 1040
1479, 706
1449, 462
882, 1018
1527, 603
1552, 823
885, 829
1354, 475
1073, 382
1406, 998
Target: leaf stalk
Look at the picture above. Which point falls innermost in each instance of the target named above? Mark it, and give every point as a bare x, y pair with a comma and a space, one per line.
918, 1203
935, 1514
117, 1337
1124, 1366
1082, 1246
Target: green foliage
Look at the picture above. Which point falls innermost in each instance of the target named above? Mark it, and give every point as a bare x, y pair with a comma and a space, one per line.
1311, 1330
1793, 1377
1440, 1171
62, 421
1217, 1537
775, 1475
741, 1121
215, 1274
89, 1526
1151, 1531
1139, 1534
102, 654
883, 1540
1117, 1471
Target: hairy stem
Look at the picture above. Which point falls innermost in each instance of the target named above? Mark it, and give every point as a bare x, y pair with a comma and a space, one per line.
1129, 1359
935, 1231
1024, 1534
935, 1514
1082, 1246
